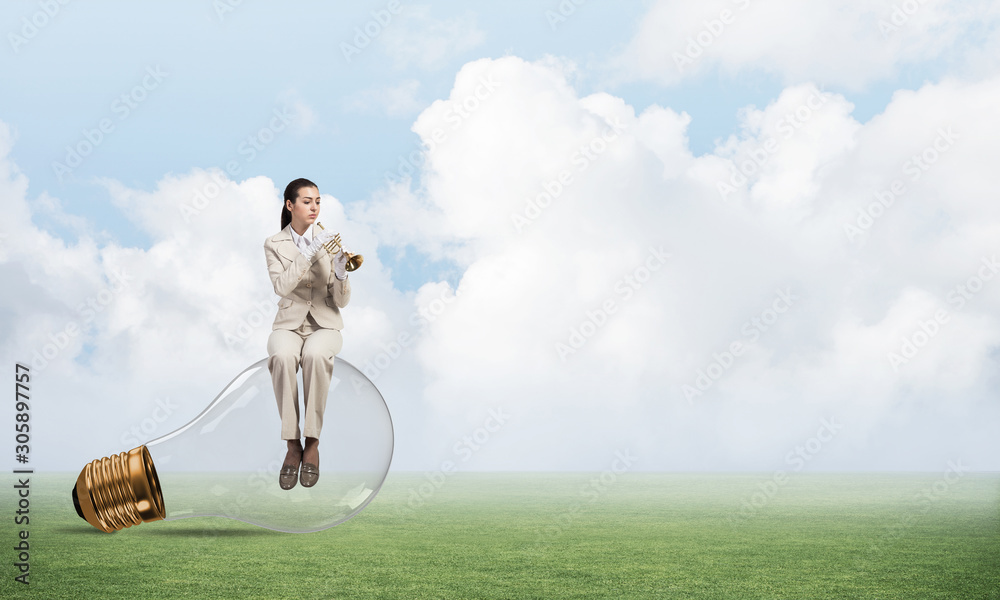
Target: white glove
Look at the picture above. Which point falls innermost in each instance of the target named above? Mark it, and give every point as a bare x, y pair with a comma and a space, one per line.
317, 244
340, 264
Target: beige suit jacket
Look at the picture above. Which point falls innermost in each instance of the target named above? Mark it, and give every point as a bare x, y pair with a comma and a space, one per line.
305, 285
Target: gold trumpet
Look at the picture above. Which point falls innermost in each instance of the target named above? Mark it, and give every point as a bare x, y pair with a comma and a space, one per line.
353, 260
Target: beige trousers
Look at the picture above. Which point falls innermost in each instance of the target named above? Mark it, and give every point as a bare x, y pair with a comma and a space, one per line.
314, 347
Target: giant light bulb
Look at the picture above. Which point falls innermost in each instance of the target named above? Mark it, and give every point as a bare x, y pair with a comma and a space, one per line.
226, 461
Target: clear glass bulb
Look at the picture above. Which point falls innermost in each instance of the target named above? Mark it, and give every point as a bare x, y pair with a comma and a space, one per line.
225, 462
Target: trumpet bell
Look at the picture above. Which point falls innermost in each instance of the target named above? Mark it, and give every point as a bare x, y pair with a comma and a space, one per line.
354, 261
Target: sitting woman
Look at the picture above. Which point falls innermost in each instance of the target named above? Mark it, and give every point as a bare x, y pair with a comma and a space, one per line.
313, 286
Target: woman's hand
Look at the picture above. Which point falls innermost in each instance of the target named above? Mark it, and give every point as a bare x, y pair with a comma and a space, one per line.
324, 236
340, 264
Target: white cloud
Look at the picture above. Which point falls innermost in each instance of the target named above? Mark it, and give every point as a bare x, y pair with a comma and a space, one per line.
416, 38
845, 43
782, 229
111, 330
584, 264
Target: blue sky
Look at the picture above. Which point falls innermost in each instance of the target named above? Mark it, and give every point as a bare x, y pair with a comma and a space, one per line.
226, 71
518, 315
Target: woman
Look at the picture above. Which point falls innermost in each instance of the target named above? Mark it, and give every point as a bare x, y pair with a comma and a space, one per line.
313, 286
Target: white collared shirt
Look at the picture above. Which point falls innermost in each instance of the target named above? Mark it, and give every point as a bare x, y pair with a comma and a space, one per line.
302, 241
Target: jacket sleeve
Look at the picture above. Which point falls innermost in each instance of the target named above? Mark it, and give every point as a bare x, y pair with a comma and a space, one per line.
285, 280
340, 290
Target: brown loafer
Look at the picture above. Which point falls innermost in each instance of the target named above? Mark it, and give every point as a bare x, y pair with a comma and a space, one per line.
289, 474
308, 475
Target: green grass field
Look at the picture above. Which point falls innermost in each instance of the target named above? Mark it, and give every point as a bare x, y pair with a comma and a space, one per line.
548, 535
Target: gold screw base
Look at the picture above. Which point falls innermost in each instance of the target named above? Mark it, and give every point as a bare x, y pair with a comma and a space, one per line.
119, 491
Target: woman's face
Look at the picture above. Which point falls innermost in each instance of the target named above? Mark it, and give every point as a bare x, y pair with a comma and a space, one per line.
305, 209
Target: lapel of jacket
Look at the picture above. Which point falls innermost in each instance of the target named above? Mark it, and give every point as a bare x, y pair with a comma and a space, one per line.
284, 245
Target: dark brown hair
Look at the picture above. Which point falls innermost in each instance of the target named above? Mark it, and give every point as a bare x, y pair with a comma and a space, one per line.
292, 193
